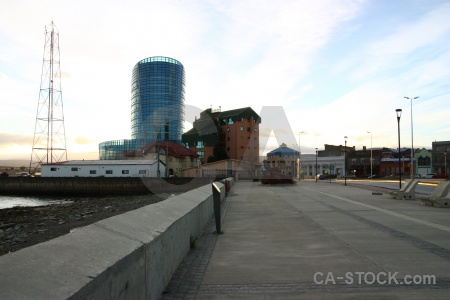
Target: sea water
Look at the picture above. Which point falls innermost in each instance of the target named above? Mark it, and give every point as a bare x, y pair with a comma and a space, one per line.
11, 201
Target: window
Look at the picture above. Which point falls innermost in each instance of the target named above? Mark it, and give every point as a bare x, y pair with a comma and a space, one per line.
201, 154
125, 172
142, 172
242, 128
92, 172
228, 139
74, 169
53, 169
108, 171
228, 128
200, 144
230, 121
256, 129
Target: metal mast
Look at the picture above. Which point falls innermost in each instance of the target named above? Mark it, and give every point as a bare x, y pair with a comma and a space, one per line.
49, 143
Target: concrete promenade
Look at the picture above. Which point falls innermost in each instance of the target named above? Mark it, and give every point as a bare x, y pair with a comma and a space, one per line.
318, 240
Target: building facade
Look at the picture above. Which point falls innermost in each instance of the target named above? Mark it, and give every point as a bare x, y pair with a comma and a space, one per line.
394, 162
439, 157
157, 107
157, 100
175, 156
285, 159
238, 169
104, 168
235, 131
422, 161
311, 165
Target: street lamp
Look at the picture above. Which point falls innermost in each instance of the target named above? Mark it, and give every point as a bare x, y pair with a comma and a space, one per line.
345, 161
412, 144
399, 114
299, 157
316, 164
371, 159
445, 164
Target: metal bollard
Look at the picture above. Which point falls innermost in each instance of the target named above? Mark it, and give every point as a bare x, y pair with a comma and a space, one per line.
216, 199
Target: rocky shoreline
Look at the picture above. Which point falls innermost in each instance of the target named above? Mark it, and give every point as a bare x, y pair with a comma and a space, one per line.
21, 227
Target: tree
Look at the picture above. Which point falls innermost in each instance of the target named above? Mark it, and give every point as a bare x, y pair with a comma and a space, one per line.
219, 153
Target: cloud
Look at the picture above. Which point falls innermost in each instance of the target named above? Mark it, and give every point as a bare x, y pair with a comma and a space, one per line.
82, 140
8, 139
430, 29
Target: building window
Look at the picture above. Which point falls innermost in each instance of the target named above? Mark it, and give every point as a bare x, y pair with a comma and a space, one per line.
74, 169
201, 154
142, 172
92, 172
242, 128
53, 169
228, 139
108, 172
256, 129
125, 172
228, 128
228, 148
200, 144
230, 121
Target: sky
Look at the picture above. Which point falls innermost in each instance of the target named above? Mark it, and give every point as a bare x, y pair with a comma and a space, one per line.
336, 67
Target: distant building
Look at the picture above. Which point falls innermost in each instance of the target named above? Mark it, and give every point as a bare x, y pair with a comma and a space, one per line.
422, 160
236, 132
157, 106
104, 168
440, 151
157, 100
225, 168
329, 165
332, 150
179, 157
390, 158
285, 159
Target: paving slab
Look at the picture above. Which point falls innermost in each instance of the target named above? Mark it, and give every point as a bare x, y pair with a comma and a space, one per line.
318, 241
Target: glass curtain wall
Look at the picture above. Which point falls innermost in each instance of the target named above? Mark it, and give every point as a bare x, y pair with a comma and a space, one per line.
157, 100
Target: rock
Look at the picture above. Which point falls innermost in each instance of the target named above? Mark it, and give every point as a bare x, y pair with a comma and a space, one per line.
7, 225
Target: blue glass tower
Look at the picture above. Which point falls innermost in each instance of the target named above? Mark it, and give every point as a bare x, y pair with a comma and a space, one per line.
157, 100
157, 106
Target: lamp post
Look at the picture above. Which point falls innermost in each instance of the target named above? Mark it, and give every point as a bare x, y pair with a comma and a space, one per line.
371, 159
412, 144
399, 114
445, 164
316, 164
345, 161
299, 157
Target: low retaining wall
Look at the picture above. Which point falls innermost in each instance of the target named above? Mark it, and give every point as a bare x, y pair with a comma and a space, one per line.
97, 186
129, 256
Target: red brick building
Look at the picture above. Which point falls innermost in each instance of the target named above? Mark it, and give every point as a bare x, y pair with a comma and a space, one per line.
235, 131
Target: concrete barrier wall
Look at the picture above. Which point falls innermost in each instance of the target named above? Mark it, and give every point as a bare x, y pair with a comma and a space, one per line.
129, 256
96, 186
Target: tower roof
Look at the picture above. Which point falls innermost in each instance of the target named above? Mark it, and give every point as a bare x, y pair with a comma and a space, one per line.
283, 151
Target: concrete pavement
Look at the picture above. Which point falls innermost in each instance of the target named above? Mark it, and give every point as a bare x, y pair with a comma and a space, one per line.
318, 240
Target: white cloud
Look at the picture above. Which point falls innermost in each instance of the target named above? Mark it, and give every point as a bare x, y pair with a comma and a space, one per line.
235, 54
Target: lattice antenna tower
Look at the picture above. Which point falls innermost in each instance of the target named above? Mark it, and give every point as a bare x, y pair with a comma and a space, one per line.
49, 143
